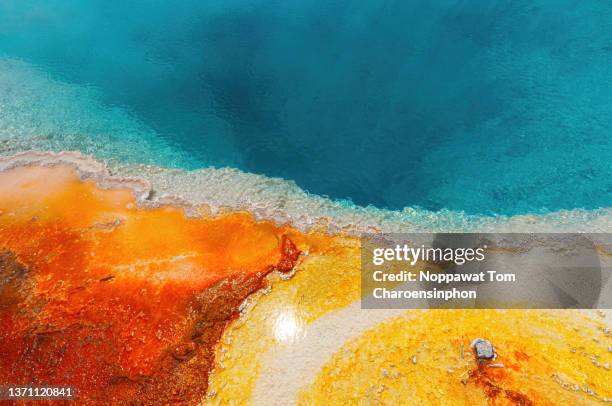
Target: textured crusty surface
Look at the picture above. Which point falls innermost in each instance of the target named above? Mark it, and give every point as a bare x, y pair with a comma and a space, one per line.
136, 296
125, 303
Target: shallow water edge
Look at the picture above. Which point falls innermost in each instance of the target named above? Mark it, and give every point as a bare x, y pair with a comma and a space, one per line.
214, 191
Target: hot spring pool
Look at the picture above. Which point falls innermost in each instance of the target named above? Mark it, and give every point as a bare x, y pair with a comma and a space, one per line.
481, 107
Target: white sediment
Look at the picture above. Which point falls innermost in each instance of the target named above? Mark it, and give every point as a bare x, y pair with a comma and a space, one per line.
40, 111
284, 202
298, 364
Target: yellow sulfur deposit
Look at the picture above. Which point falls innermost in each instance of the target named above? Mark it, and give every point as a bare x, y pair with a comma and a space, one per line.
424, 357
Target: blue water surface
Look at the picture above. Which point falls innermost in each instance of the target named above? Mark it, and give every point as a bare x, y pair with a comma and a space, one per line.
481, 106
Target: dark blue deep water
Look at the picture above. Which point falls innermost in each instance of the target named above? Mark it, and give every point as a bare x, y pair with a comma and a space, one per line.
486, 107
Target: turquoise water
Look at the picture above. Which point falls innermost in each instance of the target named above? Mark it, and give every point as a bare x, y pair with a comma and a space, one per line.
484, 107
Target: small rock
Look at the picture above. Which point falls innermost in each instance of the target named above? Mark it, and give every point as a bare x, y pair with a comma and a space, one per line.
483, 349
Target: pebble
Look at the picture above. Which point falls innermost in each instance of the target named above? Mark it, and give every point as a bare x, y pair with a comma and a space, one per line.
483, 348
